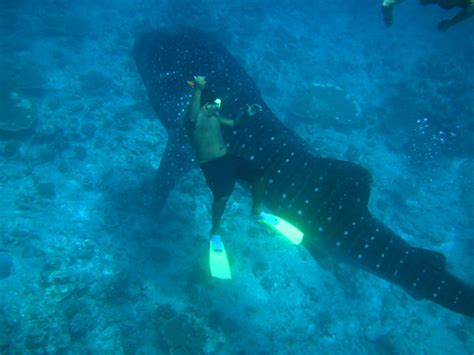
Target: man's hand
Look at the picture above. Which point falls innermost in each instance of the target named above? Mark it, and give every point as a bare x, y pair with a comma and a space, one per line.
199, 82
252, 110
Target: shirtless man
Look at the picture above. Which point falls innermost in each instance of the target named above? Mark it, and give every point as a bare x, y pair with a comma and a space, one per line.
220, 169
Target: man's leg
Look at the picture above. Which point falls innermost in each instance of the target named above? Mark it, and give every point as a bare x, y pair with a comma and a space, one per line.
387, 11
218, 207
247, 171
387, 14
464, 14
258, 190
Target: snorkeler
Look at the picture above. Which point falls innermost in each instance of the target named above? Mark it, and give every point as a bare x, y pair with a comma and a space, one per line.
467, 10
220, 169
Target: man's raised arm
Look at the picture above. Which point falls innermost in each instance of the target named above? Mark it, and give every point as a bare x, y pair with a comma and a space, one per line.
195, 104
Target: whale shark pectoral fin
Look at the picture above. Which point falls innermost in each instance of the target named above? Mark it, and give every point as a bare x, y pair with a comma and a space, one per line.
433, 258
176, 162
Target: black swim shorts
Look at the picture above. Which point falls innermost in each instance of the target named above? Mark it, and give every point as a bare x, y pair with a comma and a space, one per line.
222, 173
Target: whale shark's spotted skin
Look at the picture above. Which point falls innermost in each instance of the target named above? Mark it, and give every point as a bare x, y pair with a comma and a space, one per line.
326, 198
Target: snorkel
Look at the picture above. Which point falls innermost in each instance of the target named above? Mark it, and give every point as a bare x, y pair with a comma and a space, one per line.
217, 103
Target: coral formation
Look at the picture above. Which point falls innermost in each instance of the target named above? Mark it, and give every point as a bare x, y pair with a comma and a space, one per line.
326, 104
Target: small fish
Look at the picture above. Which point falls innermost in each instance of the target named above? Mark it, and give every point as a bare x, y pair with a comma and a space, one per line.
190, 83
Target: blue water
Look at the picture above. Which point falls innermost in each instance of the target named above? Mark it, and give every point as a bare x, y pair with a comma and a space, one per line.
96, 271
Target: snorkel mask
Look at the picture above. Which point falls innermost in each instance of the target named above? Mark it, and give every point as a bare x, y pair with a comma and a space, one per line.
217, 103
214, 106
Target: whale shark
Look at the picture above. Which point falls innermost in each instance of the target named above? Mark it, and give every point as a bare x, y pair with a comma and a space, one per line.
325, 198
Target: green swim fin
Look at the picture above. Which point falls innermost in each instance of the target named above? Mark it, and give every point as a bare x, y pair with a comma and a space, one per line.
218, 262
280, 226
